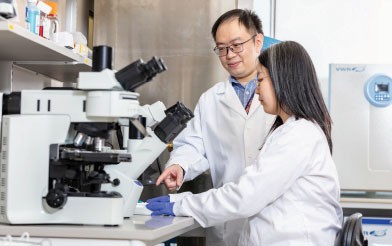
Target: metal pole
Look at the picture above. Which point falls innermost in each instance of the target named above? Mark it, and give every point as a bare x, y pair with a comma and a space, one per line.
272, 18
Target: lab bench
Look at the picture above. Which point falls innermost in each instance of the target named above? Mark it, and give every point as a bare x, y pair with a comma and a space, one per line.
140, 230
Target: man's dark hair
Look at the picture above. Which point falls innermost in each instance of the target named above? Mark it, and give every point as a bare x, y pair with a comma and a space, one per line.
245, 17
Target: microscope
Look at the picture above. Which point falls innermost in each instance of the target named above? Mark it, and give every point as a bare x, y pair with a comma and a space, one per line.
57, 163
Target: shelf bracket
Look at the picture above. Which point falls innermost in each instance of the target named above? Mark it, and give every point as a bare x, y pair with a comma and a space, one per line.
6, 75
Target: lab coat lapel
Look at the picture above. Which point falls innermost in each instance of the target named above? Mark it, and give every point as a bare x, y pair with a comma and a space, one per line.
231, 100
255, 105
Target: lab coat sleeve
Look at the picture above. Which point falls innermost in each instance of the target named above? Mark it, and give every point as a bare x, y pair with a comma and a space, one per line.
188, 148
179, 196
275, 171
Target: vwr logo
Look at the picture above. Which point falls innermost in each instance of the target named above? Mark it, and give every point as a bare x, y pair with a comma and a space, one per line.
351, 69
378, 233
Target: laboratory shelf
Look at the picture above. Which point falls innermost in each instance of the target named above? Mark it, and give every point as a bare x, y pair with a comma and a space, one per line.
40, 55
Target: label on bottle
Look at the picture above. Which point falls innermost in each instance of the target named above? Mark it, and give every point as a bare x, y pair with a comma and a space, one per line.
36, 30
46, 27
33, 21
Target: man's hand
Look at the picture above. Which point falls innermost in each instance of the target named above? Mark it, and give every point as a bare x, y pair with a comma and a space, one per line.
172, 176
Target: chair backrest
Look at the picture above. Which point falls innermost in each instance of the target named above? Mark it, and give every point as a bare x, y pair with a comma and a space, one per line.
351, 233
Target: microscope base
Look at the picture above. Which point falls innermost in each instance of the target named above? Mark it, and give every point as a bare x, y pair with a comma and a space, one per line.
78, 210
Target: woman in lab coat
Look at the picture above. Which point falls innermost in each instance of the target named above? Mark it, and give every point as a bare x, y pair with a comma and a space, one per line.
290, 194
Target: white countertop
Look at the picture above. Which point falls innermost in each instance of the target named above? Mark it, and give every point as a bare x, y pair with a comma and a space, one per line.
148, 229
374, 203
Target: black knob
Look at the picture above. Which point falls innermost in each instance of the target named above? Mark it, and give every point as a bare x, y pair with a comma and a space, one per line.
56, 198
116, 182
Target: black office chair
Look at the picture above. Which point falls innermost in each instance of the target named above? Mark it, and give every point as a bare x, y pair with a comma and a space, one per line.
351, 233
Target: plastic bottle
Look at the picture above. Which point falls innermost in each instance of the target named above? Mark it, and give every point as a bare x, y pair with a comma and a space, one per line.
54, 28
44, 25
54, 21
32, 17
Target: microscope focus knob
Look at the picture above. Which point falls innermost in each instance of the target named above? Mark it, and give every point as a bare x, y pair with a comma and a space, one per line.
116, 182
56, 198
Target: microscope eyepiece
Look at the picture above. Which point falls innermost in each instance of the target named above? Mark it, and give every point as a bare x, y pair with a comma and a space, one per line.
102, 58
138, 73
177, 116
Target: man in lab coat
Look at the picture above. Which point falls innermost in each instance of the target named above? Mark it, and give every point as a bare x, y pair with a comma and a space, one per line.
230, 124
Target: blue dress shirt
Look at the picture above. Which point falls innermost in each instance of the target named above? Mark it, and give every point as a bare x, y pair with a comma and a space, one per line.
244, 93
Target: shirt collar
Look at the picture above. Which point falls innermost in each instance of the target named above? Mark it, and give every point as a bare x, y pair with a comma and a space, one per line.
290, 119
233, 81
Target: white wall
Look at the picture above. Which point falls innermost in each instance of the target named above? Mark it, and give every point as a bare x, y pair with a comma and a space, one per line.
263, 10
335, 31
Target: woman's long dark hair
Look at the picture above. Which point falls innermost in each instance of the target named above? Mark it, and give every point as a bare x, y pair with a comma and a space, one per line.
296, 85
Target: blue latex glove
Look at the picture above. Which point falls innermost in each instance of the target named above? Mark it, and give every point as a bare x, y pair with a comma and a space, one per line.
159, 199
161, 208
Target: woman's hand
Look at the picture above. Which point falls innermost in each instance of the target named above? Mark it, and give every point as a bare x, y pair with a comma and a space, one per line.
160, 206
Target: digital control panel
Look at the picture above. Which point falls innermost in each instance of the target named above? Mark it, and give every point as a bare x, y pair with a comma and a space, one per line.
378, 90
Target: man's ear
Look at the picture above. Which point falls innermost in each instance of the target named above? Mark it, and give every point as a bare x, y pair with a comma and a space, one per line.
259, 40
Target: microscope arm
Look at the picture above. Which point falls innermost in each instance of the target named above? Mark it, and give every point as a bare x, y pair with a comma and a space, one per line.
143, 153
167, 124
154, 113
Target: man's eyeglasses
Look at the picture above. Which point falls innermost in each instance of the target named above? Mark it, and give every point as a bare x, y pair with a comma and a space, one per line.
236, 48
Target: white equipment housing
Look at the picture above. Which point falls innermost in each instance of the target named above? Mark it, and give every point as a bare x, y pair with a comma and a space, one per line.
359, 104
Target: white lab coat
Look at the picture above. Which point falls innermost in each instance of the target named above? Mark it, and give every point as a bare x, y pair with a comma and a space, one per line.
290, 194
221, 137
